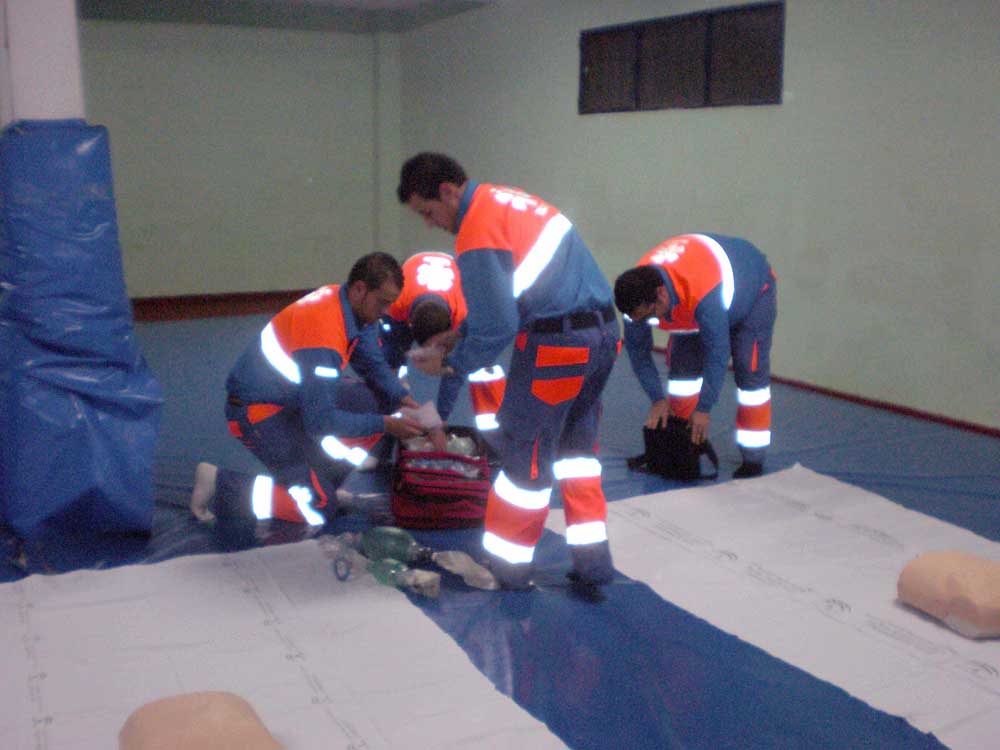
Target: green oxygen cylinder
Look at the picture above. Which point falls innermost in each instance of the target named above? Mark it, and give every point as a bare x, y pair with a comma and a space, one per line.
381, 542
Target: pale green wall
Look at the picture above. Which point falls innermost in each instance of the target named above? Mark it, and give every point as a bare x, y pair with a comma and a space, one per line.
873, 187
388, 134
253, 159
242, 157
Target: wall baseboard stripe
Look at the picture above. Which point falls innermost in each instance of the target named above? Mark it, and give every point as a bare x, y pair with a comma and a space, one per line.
885, 405
889, 406
188, 307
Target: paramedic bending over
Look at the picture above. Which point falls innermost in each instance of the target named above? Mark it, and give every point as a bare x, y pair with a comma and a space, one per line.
290, 404
722, 289
527, 276
432, 303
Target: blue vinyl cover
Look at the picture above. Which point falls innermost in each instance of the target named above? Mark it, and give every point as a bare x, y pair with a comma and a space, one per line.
79, 411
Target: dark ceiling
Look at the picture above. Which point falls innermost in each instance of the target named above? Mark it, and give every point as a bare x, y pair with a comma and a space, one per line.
351, 16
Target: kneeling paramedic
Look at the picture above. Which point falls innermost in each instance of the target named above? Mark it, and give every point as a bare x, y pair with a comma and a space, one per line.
289, 402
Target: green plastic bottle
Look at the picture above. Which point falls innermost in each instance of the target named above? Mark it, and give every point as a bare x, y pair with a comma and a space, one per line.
391, 572
390, 542
388, 571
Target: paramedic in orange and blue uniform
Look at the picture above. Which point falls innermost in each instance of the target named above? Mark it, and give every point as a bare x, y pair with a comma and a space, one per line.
527, 277
432, 303
717, 296
290, 403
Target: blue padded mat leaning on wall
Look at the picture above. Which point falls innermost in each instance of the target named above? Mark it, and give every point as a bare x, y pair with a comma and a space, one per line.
79, 411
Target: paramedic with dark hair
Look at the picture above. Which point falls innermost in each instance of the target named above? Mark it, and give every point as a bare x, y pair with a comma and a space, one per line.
717, 296
289, 402
432, 303
527, 278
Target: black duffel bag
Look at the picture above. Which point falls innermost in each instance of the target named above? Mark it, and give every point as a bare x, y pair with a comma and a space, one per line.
671, 454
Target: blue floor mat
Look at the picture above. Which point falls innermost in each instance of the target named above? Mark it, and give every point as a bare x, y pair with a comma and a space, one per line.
632, 670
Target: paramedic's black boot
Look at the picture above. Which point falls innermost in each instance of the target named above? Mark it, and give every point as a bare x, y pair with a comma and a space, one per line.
219, 492
586, 590
510, 576
233, 495
748, 469
591, 564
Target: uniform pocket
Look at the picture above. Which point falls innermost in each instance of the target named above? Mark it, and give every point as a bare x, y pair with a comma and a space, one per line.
557, 390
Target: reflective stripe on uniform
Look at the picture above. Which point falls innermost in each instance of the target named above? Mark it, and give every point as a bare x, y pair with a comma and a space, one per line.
277, 357
592, 532
684, 388
303, 501
512, 553
486, 374
725, 267
753, 438
753, 398
340, 452
486, 422
576, 468
541, 253
511, 494
260, 497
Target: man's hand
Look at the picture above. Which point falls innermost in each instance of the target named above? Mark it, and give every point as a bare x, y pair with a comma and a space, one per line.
438, 439
409, 402
658, 413
402, 427
699, 427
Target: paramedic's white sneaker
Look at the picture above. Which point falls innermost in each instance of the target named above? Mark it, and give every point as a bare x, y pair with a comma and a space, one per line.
204, 491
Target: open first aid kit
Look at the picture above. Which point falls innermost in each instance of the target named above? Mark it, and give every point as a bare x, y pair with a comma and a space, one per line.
441, 489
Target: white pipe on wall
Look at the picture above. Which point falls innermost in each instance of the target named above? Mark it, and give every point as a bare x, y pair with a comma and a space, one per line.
40, 69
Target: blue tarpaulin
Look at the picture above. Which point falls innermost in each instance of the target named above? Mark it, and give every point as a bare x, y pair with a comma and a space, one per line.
79, 410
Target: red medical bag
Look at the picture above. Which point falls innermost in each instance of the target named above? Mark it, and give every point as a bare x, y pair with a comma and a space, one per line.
441, 490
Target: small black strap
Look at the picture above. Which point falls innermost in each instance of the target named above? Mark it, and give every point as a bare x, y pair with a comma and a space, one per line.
708, 450
637, 463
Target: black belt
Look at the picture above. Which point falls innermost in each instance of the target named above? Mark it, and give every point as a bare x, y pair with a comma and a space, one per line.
575, 321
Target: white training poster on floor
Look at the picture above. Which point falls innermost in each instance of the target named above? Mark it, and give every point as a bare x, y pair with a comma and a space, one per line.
326, 664
805, 567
